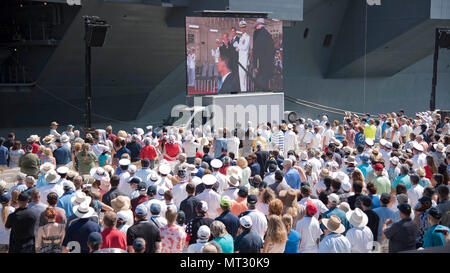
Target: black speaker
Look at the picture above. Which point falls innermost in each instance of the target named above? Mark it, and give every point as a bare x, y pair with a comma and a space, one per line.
96, 34
444, 40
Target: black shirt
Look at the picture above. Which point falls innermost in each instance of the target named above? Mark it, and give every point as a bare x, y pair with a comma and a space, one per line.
110, 195
402, 235
195, 224
146, 230
188, 206
248, 242
373, 222
230, 221
21, 222
354, 201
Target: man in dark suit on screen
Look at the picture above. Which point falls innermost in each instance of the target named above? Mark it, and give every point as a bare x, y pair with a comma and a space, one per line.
229, 82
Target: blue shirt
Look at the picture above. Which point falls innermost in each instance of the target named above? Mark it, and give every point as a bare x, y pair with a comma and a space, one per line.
21, 187
135, 149
41, 182
248, 242
402, 179
3, 154
292, 242
335, 243
360, 139
79, 231
226, 242
102, 159
62, 155
433, 238
365, 169
219, 143
122, 151
383, 213
339, 213
292, 178
255, 169
230, 221
375, 201
65, 203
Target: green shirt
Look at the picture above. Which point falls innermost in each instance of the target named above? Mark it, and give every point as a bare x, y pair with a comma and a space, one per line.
29, 164
383, 184
226, 242
86, 164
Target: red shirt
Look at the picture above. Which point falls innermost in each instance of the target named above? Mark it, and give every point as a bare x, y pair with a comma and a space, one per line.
172, 150
35, 147
428, 173
199, 155
114, 238
223, 169
138, 200
112, 137
148, 152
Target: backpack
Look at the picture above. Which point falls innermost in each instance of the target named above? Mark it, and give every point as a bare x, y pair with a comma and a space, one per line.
52, 246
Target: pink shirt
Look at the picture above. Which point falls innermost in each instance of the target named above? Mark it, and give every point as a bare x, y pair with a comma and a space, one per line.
172, 239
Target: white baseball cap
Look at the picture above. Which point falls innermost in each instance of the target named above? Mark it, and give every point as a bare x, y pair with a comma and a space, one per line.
246, 221
333, 198
124, 162
203, 232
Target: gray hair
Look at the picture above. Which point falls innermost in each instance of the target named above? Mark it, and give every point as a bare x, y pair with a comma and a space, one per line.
147, 141
218, 229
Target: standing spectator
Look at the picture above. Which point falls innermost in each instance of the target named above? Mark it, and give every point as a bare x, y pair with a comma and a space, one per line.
86, 160
384, 213
382, 182
210, 196
15, 152
60, 217
144, 229
444, 205
173, 236
293, 242
62, 154
334, 241
149, 152
51, 235
135, 148
279, 184
276, 235
3, 155
200, 220
21, 222
373, 218
203, 235
309, 230
401, 235
434, 236
189, 204
221, 236
29, 162
114, 192
36, 207
230, 220
259, 220
5, 211
248, 241
76, 238
360, 236
291, 175
416, 190
333, 203
111, 236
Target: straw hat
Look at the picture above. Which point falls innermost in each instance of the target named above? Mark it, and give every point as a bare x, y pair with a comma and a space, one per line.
48, 139
99, 173
65, 138
334, 224
80, 197
54, 123
439, 147
204, 141
46, 167
121, 203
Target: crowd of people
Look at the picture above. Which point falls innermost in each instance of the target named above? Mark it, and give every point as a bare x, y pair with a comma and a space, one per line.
360, 185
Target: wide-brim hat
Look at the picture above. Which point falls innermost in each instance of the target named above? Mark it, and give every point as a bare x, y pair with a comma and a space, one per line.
204, 141
48, 139
99, 173
209, 179
54, 123
121, 203
216, 163
439, 147
418, 147
80, 197
383, 142
334, 224
164, 169
52, 177
357, 218
46, 167
234, 180
83, 211
65, 138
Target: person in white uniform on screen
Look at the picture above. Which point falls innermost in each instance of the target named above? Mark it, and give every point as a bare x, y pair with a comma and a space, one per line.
244, 46
191, 68
216, 52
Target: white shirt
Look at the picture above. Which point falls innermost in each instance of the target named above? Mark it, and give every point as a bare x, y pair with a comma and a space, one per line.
419, 160
327, 135
309, 136
335, 243
290, 141
124, 186
144, 174
403, 130
259, 221
309, 230
386, 155
149, 203
213, 199
190, 148
269, 178
197, 248
129, 217
317, 165
216, 54
231, 192
244, 46
321, 208
317, 138
320, 186
179, 193
98, 149
191, 61
223, 181
45, 190
361, 239
264, 208
233, 145
55, 133
414, 194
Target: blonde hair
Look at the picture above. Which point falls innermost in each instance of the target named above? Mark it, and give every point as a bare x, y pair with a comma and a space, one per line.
276, 230
275, 207
287, 221
171, 215
48, 152
85, 149
242, 162
14, 197
340, 130
5, 212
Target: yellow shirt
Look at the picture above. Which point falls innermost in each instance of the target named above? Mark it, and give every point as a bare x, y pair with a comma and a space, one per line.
369, 131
